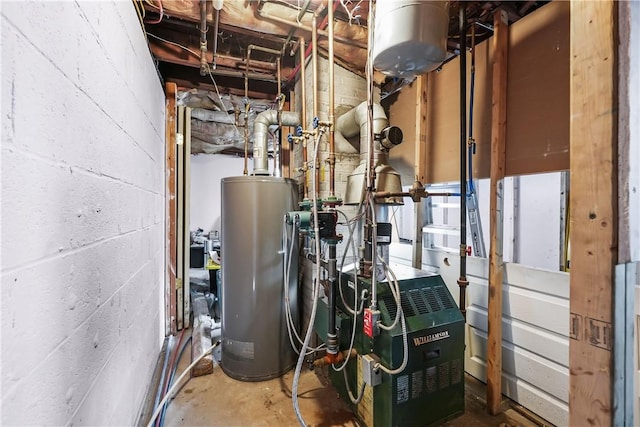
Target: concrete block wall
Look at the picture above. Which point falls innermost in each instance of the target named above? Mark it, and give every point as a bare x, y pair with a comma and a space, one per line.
350, 91
82, 213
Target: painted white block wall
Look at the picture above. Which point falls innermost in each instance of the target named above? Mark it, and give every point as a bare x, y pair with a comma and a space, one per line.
82, 213
207, 171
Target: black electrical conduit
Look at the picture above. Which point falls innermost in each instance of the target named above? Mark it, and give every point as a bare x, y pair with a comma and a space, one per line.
462, 280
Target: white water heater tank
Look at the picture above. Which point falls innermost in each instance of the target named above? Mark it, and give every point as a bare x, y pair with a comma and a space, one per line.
410, 36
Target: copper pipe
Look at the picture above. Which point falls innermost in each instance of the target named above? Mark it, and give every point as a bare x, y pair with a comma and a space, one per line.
246, 137
332, 142
314, 61
203, 38
303, 95
277, 150
215, 39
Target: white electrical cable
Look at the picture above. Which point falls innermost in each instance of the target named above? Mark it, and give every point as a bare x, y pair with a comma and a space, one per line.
395, 291
291, 328
307, 338
355, 300
177, 383
350, 243
405, 340
354, 399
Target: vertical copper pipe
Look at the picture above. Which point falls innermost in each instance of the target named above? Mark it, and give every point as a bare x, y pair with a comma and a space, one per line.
332, 142
203, 37
246, 115
314, 63
277, 145
314, 44
246, 139
303, 95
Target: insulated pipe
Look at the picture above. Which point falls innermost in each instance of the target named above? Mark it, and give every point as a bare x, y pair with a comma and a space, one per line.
332, 141
462, 281
304, 117
260, 133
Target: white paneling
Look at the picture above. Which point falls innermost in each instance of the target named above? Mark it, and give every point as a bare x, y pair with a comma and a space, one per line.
535, 328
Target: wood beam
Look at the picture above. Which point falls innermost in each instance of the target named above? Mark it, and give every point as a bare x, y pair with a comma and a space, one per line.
185, 84
593, 201
419, 165
498, 166
171, 91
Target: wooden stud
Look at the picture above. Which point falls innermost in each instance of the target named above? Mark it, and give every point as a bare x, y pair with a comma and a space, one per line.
593, 200
186, 213
419, 165
498, 166
180, 219
170, 152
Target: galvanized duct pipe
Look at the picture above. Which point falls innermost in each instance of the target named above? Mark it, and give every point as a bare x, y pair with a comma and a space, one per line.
352, 123
261, 132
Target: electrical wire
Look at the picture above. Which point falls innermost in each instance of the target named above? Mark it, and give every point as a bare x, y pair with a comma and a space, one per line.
161, 9
165, 364
403, 325
172, 375
291, 328
173, 360
177, 383
193, 52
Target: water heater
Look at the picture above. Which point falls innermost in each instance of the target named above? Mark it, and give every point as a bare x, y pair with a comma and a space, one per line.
410, 36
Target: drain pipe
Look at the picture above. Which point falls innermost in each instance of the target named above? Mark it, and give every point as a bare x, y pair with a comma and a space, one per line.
260, 135
462, 280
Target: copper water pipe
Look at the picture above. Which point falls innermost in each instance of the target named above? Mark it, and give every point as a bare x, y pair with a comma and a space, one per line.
277, 151
332, 142
314, 61
303, 94
246, 137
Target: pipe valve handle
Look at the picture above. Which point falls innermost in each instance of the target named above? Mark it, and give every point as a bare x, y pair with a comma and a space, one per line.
298, 131
290, 138
316, 122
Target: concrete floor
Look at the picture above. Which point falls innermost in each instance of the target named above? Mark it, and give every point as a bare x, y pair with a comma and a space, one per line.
217, 400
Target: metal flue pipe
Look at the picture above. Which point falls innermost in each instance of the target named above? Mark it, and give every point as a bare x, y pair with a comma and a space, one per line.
261, 132
462, 280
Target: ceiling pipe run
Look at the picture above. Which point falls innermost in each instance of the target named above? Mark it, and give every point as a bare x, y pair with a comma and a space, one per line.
261, 132
262, 14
